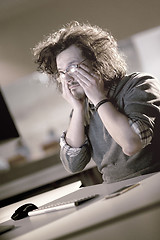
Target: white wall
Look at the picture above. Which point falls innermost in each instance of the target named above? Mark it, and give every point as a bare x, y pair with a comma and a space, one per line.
24, 22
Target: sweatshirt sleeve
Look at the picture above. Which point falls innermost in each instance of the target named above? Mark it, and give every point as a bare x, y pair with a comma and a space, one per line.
142, 130
74, 159
142, 102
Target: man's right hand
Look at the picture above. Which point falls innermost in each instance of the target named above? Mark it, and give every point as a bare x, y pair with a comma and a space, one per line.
69, 97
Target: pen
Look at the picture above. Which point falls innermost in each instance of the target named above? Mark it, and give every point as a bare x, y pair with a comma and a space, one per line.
51, 209
61, 206
122, 190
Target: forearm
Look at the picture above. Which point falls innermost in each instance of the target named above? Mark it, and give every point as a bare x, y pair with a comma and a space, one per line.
74, 159
118, 127
75, 135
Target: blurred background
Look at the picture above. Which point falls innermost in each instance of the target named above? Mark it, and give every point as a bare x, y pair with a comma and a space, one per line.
38, 110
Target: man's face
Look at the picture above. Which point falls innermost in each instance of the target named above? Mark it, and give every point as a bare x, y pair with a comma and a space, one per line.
66, 61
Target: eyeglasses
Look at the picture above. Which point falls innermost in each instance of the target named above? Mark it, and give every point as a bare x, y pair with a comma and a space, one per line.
70, 69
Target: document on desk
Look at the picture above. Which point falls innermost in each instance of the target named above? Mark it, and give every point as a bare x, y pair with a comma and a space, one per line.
61, 205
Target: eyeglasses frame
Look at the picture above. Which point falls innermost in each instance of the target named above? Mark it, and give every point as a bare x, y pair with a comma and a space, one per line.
75, 66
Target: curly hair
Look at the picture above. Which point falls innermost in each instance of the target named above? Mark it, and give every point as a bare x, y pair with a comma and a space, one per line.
97, 45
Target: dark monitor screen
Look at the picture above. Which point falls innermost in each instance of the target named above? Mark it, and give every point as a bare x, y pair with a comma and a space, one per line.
8, 129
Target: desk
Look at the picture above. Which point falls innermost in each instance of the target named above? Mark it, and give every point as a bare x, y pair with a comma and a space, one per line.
133, 215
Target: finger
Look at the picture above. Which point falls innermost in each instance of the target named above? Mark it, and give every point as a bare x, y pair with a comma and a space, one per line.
91, 72
88, 70
63, 85
85, 77
87, 73
81, 79
65, 89
84, 83
84, 67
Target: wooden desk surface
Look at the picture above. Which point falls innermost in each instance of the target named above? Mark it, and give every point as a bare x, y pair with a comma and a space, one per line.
133, 215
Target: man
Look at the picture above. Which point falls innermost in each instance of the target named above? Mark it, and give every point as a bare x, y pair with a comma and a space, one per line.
116, 117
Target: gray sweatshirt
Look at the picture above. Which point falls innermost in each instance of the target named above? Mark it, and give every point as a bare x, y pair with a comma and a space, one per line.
138, 97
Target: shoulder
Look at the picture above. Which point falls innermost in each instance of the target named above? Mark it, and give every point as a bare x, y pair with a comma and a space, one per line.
138, 78
139, 90
137, 81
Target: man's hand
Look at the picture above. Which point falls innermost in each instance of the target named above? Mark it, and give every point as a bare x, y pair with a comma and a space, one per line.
92, 85
68, 96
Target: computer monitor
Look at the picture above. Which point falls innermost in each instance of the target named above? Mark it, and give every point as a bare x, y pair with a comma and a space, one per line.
8, 129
